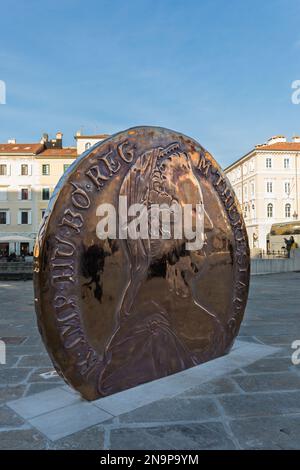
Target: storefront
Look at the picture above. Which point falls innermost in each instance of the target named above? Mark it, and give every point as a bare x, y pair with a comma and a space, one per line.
18, 244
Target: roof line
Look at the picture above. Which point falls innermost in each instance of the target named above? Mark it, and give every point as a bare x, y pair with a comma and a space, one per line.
258, 149
241, 158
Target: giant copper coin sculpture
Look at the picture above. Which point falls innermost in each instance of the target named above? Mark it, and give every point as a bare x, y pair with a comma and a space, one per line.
119, 304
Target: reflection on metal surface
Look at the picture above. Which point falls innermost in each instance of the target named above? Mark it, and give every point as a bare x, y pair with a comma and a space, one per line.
115, 313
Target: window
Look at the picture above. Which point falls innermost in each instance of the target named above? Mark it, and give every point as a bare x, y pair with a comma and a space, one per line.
287, 188
24, 170
24, 217
46, 170
252, 189
45, 194
270, 210
246, 193
3, 218
3, 170
269, 187
66, 166
87, 145
268, 162
43, 213
288, 210
286, 163
24, 194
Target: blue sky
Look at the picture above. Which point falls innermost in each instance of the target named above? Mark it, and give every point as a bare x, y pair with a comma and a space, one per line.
217, 70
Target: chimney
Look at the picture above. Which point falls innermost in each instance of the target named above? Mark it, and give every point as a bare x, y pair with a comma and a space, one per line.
276, 139
296, 139
11, 141
44, 138
58, 140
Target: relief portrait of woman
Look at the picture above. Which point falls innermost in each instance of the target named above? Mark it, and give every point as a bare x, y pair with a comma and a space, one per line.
150, 340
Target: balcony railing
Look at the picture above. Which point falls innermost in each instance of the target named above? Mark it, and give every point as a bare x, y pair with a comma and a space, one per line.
271, 254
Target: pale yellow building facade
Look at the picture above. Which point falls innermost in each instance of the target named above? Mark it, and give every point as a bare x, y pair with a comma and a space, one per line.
28, 175
266, 181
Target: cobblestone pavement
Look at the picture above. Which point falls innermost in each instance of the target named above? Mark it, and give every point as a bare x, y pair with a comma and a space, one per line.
257, 407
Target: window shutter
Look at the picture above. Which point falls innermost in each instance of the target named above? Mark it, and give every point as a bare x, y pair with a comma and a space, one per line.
19, 169
29, 194
29, 170
8, 169
3, 194
19, 194
8, 218
19, 218
29, 217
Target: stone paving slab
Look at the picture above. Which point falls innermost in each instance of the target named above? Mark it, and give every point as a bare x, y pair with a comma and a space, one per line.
9, 392
269, 433
92, 438
177, 409
193, 436
68, 420
269, 381
43, 403
260, 404
22, 439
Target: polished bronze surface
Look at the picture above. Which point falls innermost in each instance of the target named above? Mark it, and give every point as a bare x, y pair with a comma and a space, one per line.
116, 313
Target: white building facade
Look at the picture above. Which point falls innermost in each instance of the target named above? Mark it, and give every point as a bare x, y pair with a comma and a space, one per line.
266, 181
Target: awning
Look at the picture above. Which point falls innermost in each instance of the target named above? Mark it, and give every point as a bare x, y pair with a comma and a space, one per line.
15, 239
